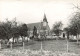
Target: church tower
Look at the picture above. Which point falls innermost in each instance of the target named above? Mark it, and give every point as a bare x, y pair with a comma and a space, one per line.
45, 22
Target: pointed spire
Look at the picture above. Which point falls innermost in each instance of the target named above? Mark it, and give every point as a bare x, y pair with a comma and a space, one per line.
45, 19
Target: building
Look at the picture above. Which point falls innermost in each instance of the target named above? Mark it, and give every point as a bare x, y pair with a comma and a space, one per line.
41, 27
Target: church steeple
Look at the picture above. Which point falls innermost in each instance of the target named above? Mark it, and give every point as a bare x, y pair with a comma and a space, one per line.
45, 19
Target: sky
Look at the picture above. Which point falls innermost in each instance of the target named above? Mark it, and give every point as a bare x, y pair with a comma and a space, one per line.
31, 11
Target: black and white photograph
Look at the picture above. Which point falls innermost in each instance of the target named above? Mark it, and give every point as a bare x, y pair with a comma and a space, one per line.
39, 27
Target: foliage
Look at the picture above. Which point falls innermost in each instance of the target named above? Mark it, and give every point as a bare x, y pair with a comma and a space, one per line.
5, 30
57, 28
75, 24
35, 31
23, 30
11, 29
2, 32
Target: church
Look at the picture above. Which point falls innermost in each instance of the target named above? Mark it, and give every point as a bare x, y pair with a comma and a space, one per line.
41, 27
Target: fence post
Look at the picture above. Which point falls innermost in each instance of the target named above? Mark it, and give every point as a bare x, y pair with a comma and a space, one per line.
11, 45
0, 44
67, 46
41, 45
23, 45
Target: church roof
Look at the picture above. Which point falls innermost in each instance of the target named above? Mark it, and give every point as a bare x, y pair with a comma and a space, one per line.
45, 19
37, 25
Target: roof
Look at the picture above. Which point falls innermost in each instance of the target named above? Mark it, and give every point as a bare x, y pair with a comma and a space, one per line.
37, 25
45, 19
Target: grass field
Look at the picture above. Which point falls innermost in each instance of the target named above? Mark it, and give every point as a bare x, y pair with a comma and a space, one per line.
52, 45
50, 48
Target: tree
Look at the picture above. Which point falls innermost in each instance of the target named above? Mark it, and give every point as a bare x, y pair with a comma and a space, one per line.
11, 29
67, 30
15, 29
57, 27
15, 33
6, 27
23, 31
2, 32
34, 31
75, 25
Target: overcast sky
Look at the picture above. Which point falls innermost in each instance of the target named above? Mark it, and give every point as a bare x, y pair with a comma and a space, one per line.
31, 11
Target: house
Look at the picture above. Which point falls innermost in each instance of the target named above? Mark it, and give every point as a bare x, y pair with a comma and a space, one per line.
41, 27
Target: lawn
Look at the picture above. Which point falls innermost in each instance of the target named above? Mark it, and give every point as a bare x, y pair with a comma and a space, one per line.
52, 45
50, 48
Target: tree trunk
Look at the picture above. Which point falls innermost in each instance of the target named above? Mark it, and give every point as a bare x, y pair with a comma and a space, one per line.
68, 35
13, 40
22, 39
17, 40
8, 43
27, 39
11, 45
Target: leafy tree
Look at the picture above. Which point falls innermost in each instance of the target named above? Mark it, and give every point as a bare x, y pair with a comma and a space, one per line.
75, 25
57, 28
23, 30
6, 27
15, 33
67, 30
2, 32
35, 31
15, 29
10, 29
